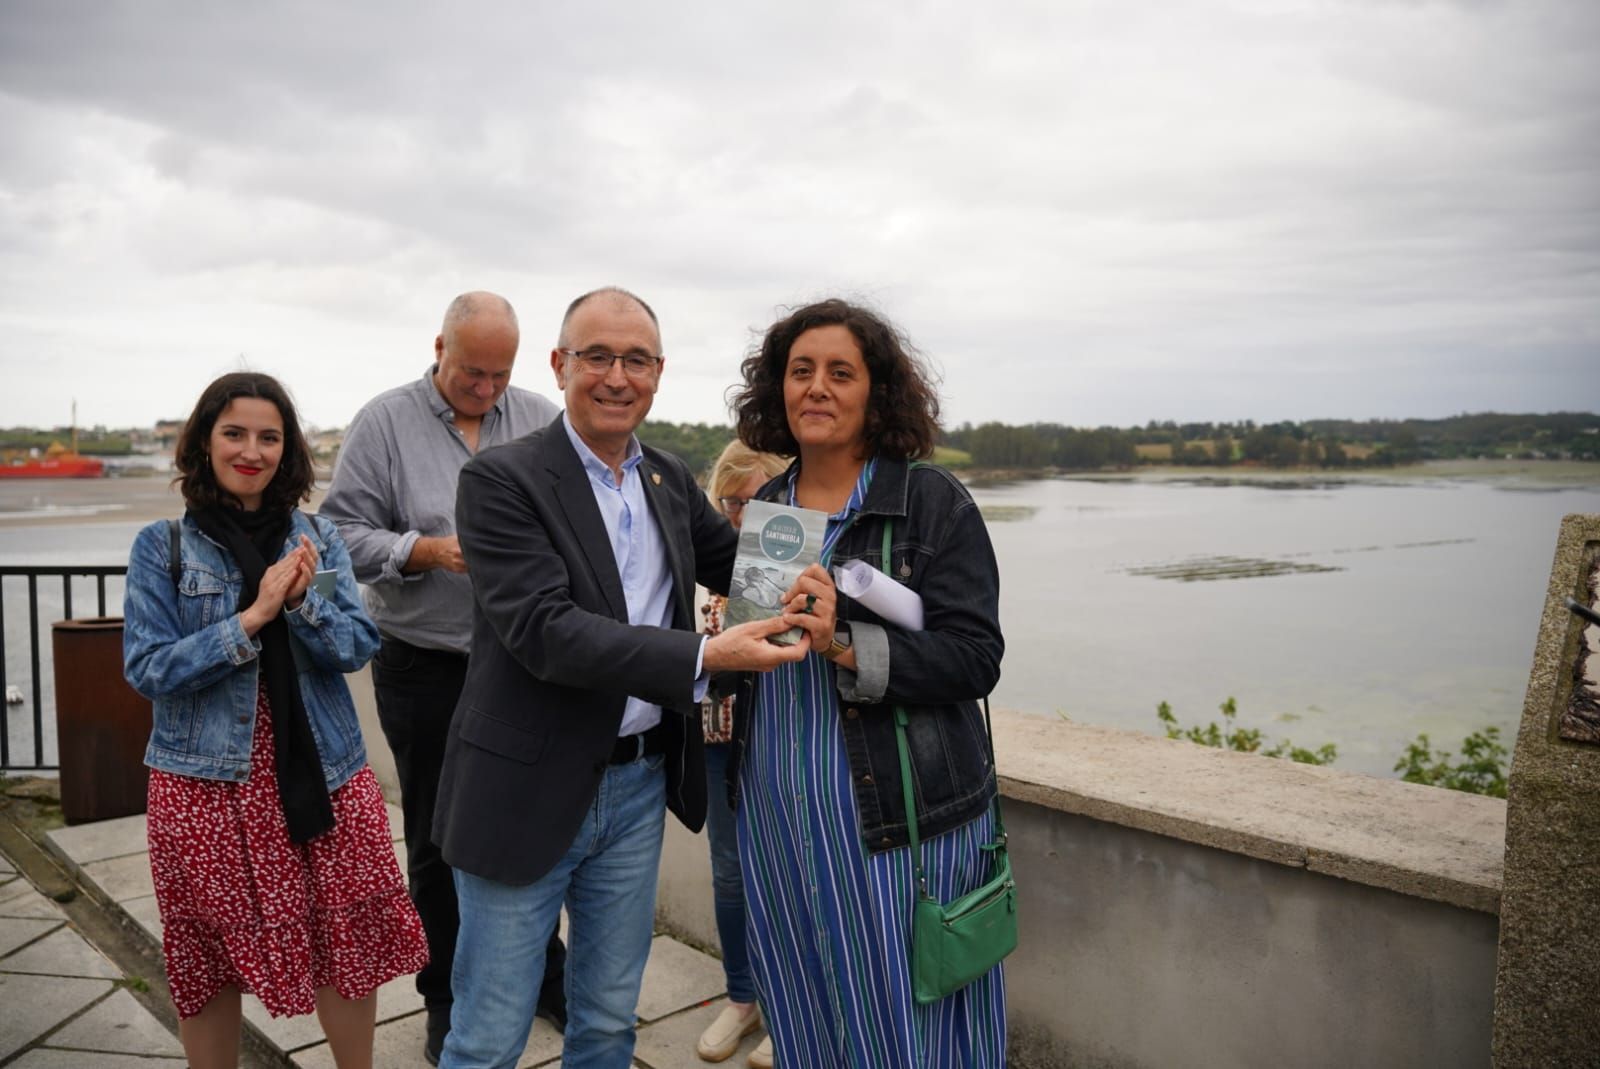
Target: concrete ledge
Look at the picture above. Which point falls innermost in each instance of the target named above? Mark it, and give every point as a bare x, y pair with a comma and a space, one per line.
1426, 842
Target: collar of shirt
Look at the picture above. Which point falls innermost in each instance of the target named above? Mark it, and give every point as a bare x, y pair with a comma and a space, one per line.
599, 471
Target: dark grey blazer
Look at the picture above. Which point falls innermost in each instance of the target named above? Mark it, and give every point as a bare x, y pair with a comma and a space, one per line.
554, 658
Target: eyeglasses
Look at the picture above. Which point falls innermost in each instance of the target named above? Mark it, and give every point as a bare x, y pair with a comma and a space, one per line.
730, 505
599, 361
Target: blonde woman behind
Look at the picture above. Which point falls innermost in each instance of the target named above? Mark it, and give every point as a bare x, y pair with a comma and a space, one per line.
735, 477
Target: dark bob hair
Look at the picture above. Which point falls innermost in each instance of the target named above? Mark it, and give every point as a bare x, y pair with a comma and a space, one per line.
902, 409
289, 486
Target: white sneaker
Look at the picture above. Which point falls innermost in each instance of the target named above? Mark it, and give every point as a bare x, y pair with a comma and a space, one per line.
761, 1057
721, 1039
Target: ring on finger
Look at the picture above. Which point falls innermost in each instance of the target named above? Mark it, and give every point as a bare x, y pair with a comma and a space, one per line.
811, 602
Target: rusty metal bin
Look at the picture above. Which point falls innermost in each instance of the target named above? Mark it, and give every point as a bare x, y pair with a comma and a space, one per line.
102, 724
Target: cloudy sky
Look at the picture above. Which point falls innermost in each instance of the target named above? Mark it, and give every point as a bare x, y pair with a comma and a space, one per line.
1081, 211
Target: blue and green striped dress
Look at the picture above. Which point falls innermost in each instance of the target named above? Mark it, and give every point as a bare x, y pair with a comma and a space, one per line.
828, 923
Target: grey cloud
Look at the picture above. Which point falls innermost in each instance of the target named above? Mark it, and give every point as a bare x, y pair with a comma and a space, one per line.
1082, 191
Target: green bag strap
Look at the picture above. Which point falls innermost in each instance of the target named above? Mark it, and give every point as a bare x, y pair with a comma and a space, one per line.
911, 802
901, 719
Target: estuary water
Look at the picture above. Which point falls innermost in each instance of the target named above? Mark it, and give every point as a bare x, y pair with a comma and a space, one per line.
1358, 612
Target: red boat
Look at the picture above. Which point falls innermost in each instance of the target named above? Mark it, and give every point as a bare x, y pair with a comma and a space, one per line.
58, 462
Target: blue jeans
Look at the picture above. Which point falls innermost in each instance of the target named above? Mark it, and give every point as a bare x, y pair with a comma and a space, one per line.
607, 880
727, 883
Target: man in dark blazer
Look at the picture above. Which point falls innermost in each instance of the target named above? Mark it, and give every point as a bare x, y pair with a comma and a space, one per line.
579, 719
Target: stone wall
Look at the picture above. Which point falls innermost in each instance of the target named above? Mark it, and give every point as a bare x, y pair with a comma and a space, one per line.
1546, 1013
1183, 906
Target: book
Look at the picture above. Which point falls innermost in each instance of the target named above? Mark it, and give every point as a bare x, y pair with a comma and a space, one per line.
776, 544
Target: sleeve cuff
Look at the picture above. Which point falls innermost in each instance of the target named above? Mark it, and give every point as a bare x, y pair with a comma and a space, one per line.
306, 613
242, 649
702, 679
870, 678
399, 553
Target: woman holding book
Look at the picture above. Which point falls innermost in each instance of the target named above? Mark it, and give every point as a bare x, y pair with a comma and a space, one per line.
735, 477
822, 829
270, 848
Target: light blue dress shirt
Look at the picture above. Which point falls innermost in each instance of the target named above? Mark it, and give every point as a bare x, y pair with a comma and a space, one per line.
641, 556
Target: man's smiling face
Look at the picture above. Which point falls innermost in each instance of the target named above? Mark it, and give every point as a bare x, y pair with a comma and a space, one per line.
604, 409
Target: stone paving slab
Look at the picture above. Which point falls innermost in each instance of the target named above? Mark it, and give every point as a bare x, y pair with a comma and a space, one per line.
61, 953
36, 1004
19, 931
677, 977
144, 913
119, 1025
58, 992
6, 868
399, 1046
45, 1058
19, 898
670, 1043
396, 998
285, 1033
121, 878
84, 843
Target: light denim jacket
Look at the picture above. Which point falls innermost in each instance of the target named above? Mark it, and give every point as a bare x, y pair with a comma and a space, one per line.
184, 648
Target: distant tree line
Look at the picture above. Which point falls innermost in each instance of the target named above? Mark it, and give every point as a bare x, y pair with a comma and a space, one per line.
97, 440
1286, 444
697, 444
1044, 445
1321, 443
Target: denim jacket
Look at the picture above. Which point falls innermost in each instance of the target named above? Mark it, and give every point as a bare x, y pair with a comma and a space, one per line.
940, 549
184, 647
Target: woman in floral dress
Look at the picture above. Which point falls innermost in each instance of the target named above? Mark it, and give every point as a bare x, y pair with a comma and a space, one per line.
270, 848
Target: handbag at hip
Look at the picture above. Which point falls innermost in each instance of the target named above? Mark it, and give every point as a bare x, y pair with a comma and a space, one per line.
958, 942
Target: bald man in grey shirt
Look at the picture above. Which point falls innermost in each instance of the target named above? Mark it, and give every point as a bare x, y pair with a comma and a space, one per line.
393, 499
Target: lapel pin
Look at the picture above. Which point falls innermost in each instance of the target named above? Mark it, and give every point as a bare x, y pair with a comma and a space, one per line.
655, 477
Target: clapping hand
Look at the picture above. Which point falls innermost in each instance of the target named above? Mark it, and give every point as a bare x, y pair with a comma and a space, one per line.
305, 572
284, 583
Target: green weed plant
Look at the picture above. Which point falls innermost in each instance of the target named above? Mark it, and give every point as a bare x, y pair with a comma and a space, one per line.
1481, 768
1229, 736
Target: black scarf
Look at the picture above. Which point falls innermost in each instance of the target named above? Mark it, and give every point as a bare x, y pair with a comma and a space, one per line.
254, 540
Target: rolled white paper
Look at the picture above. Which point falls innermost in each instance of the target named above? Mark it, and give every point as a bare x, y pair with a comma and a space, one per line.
898, 604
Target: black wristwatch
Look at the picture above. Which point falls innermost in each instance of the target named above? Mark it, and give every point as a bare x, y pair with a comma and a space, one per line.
840, 643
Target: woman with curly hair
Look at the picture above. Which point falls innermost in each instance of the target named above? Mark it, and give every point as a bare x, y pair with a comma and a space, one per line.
270, 849
821, 814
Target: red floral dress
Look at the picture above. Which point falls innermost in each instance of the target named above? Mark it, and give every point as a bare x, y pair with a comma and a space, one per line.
242, 906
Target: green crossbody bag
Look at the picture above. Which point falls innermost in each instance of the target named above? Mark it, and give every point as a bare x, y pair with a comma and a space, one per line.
955, 943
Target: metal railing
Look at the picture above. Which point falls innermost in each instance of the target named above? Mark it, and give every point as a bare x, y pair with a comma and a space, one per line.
33, 574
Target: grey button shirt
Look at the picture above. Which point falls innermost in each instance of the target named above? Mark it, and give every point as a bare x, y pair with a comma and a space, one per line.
394, 482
